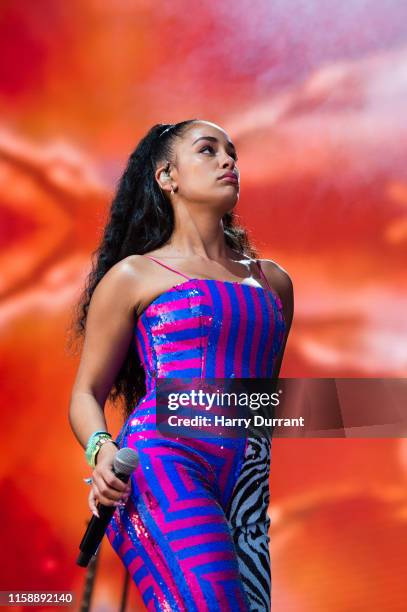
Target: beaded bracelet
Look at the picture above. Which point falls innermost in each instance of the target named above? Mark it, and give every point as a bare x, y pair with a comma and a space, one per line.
96, 434
93, 459
99, 446
94, 437
94, 448
93, 445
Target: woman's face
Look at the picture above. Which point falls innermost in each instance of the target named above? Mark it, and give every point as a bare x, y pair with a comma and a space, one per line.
203, 155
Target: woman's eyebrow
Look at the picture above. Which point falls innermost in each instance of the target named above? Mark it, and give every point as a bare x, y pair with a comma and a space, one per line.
232, 146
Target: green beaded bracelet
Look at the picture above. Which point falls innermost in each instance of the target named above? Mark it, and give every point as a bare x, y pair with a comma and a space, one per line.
100, 444
92, 446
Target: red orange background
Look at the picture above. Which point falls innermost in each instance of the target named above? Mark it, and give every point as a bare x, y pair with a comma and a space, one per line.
313, 94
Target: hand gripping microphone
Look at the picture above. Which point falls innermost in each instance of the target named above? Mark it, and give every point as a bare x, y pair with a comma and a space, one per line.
124, 463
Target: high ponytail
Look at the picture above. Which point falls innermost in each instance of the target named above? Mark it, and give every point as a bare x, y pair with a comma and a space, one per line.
141, 219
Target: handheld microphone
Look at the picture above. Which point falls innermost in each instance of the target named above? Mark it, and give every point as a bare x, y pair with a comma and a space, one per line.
124, 463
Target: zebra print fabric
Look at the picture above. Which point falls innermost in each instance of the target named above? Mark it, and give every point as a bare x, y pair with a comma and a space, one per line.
250, 523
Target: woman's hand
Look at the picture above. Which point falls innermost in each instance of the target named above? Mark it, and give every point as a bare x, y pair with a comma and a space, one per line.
106, 487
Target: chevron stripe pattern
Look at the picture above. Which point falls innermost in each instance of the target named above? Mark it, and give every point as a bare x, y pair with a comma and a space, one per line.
194, 532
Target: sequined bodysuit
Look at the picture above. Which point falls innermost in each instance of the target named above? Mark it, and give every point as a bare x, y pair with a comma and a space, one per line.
194, 532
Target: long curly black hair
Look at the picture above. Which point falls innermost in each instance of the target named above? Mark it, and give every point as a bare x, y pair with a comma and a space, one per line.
142, 219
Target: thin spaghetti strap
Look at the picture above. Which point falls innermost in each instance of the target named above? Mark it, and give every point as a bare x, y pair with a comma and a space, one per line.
277, 297
263, 275
168, 267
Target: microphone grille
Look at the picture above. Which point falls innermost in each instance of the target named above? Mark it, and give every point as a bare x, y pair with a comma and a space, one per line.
125, 461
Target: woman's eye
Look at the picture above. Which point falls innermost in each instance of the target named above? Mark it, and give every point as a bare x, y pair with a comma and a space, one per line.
234, 155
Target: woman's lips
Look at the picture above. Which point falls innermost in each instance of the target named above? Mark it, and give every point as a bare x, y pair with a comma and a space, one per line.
231, 179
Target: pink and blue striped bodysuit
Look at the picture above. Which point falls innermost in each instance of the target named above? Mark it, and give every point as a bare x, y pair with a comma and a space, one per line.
194, 532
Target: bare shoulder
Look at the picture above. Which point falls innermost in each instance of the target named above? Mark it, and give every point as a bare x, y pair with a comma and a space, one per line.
130, 267
123, 281
109, 328
281, 282
135, 281
277, 276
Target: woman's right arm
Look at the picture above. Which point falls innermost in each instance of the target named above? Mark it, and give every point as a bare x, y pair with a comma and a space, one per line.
108, 332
